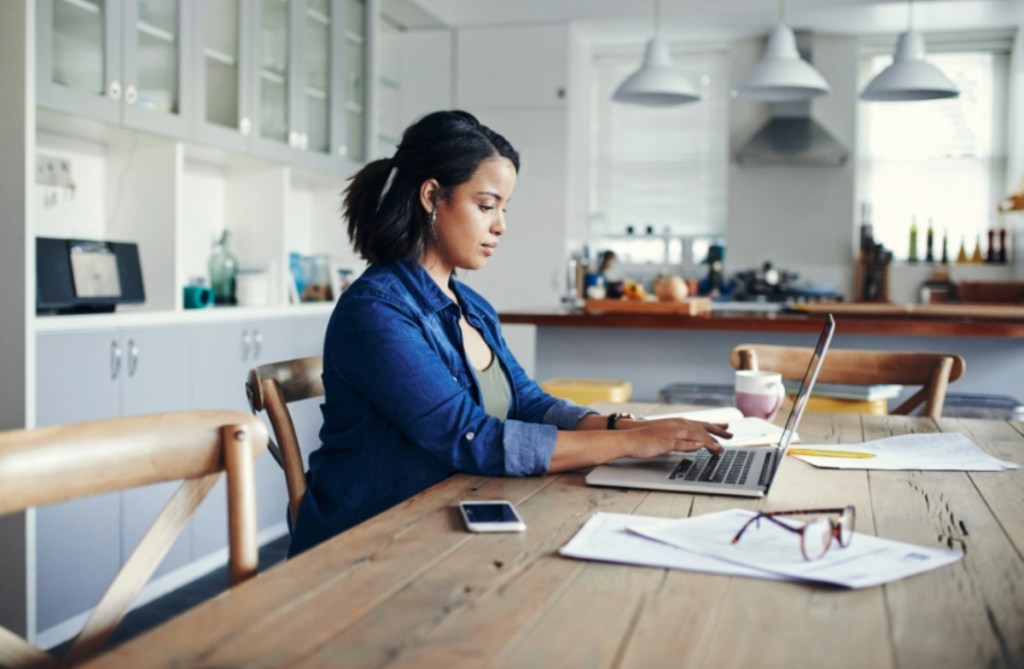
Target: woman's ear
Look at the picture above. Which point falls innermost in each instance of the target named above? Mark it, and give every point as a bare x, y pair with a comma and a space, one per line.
429, 192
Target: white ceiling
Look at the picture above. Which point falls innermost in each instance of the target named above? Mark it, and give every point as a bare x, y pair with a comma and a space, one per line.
633, 20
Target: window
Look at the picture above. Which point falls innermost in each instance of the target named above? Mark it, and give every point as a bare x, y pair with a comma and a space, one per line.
940, 160
658, 169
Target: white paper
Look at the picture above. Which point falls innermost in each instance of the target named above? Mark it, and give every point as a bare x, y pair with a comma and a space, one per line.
605, 538
946, 451
745, 431
867, 561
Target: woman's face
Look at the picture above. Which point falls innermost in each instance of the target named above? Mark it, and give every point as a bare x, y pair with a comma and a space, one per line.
472, 219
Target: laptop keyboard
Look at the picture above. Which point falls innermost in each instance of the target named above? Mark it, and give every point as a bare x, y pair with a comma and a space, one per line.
732, 466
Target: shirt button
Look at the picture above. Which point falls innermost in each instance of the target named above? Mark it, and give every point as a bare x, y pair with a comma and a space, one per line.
470, 435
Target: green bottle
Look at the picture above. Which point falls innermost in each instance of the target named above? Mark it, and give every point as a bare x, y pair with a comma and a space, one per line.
912, 256
223, 268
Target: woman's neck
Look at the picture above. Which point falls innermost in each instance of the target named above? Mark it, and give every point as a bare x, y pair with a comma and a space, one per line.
439, 272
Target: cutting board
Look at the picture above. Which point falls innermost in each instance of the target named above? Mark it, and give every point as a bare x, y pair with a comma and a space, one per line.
691, 306
994, 311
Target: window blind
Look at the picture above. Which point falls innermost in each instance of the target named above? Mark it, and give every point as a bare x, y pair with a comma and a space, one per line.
659, 168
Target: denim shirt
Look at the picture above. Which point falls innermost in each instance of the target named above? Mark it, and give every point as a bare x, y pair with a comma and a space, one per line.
402, 408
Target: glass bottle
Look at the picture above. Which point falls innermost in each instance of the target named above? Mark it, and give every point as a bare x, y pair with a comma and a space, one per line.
223, 267
912, 254
978, 257
929, 245
945, 246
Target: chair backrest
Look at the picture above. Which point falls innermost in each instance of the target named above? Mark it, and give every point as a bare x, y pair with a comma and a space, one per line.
53, 464
270, 388
932, 371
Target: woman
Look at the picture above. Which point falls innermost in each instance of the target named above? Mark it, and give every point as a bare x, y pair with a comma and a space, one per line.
419, 383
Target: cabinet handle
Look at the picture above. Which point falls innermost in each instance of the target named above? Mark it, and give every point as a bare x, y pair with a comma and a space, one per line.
246, 344
131, 94
303, 141
342, 150
293, 139
133, 357
115, 360
245, 126
114, 89
257, 344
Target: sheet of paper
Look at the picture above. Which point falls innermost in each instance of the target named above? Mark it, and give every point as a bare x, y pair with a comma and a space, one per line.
948, 451
745, 431
867, 561
605, 538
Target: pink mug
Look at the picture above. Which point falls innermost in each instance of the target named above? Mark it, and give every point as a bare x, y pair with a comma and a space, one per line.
759, 394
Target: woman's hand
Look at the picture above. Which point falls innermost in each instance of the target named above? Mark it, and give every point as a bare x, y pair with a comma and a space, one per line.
650, 438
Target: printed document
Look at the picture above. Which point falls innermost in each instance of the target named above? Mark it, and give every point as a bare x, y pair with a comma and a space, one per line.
866, 562
745, 431
947, 451
605, 538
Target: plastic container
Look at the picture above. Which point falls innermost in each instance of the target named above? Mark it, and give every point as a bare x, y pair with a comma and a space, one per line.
589, 391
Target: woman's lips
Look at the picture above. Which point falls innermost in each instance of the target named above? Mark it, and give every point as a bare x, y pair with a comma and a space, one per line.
489, 249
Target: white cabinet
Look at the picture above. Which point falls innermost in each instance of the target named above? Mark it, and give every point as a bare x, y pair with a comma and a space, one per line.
118, 61
226, 353
91, 376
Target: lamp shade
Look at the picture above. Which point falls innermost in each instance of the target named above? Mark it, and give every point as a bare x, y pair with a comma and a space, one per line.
910, 77
781, 75
656, 83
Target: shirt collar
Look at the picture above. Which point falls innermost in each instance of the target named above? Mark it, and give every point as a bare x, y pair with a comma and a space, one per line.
423, 288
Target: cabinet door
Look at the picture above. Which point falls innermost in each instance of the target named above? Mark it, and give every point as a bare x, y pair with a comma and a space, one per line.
221, 357
78, 60
276, 93
78, 543
320, 72
157, 91
157, 377
224, 72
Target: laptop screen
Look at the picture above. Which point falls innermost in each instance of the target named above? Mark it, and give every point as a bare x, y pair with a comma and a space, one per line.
802, 395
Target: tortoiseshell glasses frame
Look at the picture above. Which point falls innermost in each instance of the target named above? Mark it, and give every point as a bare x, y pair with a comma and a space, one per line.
815, 536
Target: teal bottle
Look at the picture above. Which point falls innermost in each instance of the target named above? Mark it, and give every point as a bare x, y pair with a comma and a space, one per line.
223, 267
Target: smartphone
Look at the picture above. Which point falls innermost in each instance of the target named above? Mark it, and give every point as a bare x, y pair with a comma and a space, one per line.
491, 516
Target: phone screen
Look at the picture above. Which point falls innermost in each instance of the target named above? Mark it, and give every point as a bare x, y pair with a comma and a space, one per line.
490, 513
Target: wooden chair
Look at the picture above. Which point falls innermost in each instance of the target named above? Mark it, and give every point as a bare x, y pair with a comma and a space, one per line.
932, 371
270, 388
53, 464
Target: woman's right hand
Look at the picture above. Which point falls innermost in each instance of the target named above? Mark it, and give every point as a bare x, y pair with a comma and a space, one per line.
651, 438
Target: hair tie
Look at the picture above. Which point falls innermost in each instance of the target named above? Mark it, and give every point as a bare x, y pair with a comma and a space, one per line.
390, 180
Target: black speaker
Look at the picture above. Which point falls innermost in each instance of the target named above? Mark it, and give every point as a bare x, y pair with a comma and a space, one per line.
86, 276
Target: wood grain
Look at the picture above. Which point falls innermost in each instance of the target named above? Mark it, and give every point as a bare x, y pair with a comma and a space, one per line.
691, 306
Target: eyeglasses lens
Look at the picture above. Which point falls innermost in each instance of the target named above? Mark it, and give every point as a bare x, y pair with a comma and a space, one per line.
816, 537
846, 521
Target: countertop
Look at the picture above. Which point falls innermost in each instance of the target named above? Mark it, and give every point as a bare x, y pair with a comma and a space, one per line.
891, 321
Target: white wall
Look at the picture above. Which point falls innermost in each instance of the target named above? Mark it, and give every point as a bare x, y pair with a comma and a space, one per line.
524, 99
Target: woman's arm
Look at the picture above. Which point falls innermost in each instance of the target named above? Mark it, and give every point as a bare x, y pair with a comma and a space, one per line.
591, 444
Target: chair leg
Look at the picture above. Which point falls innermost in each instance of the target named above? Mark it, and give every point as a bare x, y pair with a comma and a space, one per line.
940, 381
238, 464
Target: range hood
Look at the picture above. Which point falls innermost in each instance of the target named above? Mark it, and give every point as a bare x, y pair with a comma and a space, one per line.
791, 136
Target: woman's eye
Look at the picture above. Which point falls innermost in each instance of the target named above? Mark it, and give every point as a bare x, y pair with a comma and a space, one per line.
486, 207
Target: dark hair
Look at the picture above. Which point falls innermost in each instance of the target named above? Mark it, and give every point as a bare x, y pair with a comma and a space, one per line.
382, 202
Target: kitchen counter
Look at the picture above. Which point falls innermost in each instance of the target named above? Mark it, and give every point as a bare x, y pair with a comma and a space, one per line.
886, 322
655, 350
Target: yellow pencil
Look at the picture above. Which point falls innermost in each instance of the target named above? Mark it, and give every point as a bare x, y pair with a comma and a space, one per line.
829, 454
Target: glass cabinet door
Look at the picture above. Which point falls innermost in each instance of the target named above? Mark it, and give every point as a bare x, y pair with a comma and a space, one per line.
78, 57
318, 94
224, 52
154, 65
275, 75
355, 79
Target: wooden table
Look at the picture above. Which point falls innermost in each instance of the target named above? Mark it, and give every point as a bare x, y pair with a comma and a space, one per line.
412, 588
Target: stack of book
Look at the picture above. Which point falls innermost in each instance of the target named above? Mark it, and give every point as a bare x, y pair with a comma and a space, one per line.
848, 398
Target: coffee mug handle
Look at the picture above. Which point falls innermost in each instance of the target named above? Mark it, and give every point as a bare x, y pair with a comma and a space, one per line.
780, 397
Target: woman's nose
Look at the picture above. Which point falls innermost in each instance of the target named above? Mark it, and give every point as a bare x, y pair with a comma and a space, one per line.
499, 226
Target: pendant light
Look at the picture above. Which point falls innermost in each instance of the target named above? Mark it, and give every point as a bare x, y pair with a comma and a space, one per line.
781, 75
910, 77
656, 83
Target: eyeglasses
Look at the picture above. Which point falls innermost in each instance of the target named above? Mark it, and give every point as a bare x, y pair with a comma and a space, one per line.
815, 536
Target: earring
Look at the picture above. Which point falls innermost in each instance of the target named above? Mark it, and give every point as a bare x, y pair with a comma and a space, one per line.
433, 218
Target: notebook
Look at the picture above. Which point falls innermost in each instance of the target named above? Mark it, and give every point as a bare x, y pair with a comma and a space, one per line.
745, 472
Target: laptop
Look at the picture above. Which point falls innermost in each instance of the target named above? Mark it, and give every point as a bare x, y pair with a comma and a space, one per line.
744, 472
